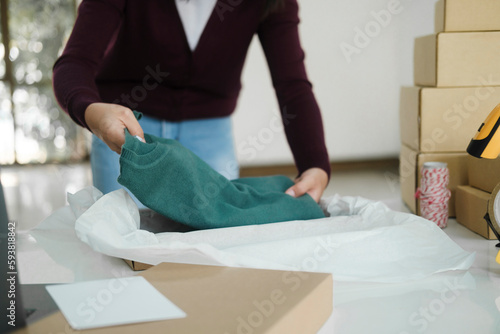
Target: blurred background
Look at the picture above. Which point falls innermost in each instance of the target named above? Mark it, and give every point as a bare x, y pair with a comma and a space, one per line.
357, 58
356, 80
33, 129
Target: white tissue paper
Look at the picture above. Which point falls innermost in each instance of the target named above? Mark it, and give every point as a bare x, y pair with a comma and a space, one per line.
361, 240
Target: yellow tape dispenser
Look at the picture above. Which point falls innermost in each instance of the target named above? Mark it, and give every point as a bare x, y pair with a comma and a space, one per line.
486, 144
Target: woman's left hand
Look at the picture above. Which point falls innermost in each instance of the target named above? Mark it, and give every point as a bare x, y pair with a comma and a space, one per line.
313, 182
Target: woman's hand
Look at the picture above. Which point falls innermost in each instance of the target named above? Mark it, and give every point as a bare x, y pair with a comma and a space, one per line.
108, 121
313, 182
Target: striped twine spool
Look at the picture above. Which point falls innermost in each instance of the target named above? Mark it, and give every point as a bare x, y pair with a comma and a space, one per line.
433, 193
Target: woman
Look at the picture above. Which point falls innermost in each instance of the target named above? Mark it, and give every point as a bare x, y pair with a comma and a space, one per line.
179, 62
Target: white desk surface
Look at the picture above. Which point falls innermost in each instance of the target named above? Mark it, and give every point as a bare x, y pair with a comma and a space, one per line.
454, 302
434, 305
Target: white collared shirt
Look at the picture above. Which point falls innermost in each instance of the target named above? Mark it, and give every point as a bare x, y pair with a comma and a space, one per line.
194, 15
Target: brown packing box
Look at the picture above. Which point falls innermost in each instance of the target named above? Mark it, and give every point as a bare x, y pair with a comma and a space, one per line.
409, 173
455, 59
467, 15
472, 205
484, 174
226, 300
138, 266
444, 119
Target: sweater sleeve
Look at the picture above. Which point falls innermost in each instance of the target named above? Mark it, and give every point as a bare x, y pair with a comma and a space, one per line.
75, 71
279, 36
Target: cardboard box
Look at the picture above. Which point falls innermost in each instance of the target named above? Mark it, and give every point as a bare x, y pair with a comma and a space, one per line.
467, 15
472, 205
137, 266
410, 165
439, 16
444, 119
227, 300
484, 174
461, 59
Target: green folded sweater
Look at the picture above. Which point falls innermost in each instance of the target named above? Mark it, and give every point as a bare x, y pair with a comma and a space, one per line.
170, 179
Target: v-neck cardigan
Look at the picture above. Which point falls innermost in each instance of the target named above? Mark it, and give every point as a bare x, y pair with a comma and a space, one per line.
135, 53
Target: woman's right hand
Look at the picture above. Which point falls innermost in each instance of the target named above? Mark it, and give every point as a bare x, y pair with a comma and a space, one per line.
108, 122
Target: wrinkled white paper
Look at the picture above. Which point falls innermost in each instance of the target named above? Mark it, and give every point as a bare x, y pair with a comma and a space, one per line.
362, 240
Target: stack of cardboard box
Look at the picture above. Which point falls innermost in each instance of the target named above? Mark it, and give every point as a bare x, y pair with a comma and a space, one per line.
457, 78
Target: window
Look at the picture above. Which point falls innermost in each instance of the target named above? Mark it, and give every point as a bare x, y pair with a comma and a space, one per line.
33, 128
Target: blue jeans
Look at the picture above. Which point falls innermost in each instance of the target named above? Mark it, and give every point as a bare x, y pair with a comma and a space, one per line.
210, 139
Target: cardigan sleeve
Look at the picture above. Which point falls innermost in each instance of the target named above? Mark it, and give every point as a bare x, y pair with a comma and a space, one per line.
279, 36
75, 70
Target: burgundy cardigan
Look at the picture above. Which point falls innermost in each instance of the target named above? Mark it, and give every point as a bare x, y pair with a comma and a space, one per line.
135, 53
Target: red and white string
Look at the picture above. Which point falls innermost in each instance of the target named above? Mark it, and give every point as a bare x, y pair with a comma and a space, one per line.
434, 194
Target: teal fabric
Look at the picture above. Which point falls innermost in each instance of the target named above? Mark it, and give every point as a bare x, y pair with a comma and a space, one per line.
171, 180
